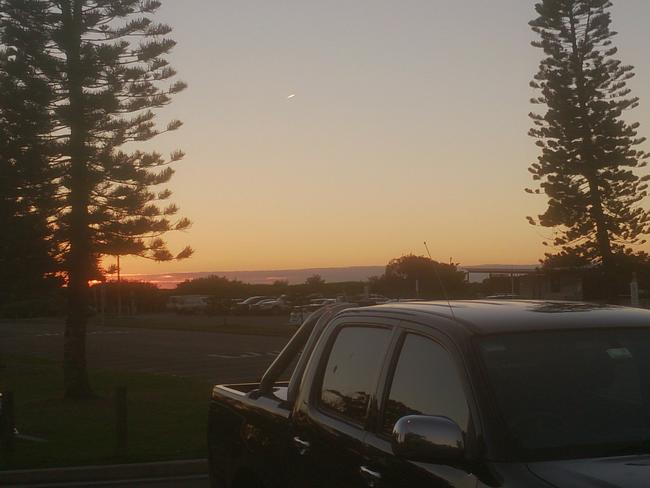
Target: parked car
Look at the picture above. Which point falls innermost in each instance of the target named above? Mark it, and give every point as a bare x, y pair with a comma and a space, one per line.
221, 306
321, 302
274, 306
188, 303
517, 394
300, 313
246, 305
504, 296
372, 299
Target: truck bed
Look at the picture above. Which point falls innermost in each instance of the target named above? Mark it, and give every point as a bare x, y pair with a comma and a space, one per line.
247, 429
248, 389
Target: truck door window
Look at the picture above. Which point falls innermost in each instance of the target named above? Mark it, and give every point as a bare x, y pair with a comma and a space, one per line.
426, 382
352, 371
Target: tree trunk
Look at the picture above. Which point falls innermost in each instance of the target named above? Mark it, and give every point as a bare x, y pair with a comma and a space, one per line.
79, 261
603, 240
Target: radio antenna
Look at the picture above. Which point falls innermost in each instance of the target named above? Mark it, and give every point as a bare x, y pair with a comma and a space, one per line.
442, 285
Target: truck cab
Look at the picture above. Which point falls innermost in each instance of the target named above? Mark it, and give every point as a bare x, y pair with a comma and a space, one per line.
461, 394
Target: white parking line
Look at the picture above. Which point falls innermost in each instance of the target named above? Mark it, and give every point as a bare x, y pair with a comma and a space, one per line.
245, 355
94, 332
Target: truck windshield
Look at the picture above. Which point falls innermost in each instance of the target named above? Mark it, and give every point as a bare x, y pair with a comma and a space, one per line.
572, 394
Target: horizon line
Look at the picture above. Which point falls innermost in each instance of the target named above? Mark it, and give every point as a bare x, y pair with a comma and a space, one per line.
461, 266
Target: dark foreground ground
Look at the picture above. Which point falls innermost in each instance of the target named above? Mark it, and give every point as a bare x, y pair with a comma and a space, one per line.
178, 483
191, 482
168, 371
211, 356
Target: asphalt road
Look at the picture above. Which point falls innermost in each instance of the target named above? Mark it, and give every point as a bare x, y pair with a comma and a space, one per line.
188, 482
179, 483
216, 357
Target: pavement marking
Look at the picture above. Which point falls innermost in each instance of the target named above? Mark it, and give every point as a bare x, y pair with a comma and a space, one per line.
110, 332
245, 355
93, 332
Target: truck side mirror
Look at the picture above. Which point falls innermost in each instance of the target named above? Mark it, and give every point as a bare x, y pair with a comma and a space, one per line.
428, 439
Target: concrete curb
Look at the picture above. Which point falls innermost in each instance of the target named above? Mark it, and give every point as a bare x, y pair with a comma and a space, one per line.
115, 472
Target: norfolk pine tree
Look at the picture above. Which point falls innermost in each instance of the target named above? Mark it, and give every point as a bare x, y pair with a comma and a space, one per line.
27, 250
589, 154
105, 61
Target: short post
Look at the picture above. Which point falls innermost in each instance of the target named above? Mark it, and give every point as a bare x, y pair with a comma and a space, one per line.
102, 300
121, 430
7, 421
634, 291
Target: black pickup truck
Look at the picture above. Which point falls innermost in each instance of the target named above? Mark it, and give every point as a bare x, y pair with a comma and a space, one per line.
465, 394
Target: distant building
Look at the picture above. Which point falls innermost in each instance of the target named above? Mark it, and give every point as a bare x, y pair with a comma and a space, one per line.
553, 285
529, 282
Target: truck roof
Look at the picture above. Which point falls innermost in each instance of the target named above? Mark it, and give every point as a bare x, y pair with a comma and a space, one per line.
496, 316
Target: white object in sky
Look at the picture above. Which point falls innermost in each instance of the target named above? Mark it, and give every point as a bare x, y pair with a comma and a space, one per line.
293, 95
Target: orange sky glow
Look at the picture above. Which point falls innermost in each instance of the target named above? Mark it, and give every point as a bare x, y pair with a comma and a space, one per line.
325, 134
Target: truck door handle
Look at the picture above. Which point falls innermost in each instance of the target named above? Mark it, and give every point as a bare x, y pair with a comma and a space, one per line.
372, 478
303, 446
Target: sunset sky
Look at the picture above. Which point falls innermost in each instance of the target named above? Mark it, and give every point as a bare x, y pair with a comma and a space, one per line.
408, 123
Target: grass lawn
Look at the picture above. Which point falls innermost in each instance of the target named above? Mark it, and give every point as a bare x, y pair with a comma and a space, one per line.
166, 417
269, 326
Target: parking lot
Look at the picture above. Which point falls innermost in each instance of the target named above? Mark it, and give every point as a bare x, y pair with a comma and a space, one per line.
212, 356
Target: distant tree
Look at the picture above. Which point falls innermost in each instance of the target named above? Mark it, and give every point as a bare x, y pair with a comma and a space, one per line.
596, 284
280, 286
105, 62
589, 155
218, 286
137, 297
410, 276
315, 281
